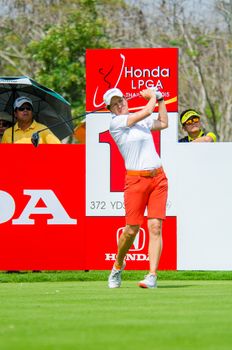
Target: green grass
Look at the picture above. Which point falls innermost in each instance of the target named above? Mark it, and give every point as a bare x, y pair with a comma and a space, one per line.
61, 276
180, 314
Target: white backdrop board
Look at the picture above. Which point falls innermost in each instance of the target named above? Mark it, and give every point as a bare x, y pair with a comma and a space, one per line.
200, 192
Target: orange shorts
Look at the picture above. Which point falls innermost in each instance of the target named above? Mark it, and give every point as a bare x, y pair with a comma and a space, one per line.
143, 192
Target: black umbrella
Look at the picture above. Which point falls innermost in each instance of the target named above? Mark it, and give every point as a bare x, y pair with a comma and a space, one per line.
49, 107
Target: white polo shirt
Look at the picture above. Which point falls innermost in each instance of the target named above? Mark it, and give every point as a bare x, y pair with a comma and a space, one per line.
135, 143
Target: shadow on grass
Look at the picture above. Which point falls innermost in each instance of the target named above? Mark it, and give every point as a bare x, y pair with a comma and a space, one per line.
177, 286
170, 286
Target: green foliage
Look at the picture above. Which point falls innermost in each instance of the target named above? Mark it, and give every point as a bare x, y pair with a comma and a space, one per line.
60, 54
176, 42
203, 40
47, 40
192, 53
208, 112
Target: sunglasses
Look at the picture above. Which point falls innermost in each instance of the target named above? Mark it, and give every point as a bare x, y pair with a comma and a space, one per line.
192, 120
27, 108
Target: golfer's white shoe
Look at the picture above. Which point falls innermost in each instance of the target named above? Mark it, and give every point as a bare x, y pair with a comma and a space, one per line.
150, 281
115, 277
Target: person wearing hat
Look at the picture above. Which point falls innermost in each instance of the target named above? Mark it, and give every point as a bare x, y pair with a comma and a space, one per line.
5, 122
146, 184
25, 125
191, 123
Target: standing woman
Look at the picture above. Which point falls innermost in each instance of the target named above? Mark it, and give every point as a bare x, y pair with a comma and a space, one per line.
146, 184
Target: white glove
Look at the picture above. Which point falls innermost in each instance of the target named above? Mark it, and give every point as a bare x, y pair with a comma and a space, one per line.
158, 95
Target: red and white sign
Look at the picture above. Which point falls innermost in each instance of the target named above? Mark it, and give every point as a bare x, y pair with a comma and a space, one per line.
130, 70
61, 206
42, 207
102, 244
43, 225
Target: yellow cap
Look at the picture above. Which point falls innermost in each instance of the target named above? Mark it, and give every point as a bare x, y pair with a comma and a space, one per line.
188, 114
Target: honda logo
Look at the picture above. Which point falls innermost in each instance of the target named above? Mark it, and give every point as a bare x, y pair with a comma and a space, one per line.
52, 206
139, 242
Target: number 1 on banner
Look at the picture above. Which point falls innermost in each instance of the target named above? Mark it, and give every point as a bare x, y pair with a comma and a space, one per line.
117, 167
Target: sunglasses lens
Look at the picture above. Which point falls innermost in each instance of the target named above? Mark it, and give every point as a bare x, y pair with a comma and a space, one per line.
192, 120
24, 108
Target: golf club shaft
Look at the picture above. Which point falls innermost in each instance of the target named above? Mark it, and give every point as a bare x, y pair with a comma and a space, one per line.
69, 120
80, 116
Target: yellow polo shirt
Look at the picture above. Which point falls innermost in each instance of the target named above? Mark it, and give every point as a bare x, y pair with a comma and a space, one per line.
201, 133
24, 136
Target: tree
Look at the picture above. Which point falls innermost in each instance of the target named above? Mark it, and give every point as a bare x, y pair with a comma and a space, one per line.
22, 21
58, 61
60, 54
58, 33
204, 59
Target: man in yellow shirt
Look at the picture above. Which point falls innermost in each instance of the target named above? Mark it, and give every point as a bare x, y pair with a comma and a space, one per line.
26, 125
191, 123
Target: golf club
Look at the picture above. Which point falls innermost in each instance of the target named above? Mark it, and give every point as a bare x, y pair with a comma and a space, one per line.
35, 136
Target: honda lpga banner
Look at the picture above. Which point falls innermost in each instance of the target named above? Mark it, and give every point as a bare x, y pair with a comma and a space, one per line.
131, 70
197, 231
61, 206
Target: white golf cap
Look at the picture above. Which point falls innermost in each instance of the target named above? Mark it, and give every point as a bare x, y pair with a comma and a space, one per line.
111, 93
21, 100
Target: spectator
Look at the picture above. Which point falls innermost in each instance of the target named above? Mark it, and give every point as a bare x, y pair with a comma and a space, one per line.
191, 123
26, 125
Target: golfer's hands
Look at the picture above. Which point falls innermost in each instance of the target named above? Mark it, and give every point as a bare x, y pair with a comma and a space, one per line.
158, 95
148, 93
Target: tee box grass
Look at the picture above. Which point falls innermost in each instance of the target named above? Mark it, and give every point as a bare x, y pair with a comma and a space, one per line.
66, 311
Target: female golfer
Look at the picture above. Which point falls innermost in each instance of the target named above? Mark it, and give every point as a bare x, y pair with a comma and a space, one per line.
146, 183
